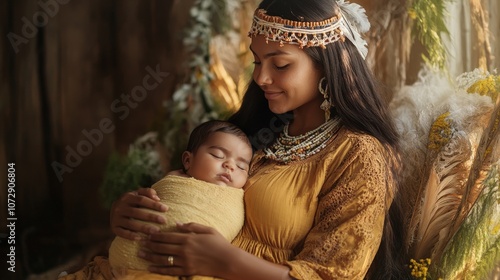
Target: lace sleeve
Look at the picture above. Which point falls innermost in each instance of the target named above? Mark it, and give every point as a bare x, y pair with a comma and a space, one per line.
350, 217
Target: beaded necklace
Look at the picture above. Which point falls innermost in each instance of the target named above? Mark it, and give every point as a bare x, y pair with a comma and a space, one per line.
288, 148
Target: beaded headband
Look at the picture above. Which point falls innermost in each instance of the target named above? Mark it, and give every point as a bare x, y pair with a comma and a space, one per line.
304, 34
351, 20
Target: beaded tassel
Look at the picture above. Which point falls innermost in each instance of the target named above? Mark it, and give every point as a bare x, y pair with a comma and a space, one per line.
325, 106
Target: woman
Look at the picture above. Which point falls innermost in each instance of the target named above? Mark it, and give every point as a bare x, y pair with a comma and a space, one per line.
323, 177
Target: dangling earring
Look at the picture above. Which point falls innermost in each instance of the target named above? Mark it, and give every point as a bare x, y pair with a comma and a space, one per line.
325, 106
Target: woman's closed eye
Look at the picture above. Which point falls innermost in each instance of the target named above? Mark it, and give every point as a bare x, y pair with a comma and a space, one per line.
278, 67
282, 67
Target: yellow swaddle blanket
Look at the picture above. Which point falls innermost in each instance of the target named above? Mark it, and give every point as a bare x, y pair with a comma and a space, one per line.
189, 200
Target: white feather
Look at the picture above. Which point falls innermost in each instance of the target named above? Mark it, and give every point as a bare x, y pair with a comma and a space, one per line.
354, 22
355, 15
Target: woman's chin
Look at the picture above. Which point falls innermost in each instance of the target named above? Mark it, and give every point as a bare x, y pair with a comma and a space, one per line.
278, 110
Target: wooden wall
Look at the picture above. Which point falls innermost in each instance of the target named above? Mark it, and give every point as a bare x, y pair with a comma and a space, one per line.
65, 69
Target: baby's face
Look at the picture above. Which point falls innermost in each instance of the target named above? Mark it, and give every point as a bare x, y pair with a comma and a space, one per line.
223, 160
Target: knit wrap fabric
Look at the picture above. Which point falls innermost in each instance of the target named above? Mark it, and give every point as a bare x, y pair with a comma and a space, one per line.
189, 200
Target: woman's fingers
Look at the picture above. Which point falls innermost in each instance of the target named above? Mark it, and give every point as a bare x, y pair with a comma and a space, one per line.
170, 261
137, 212
195, 228
155, 240
131, 229
145, 198
158, 246
165, 257
197, 250
130, 205
139, 225
177, 269
140, 213
174, 270
148, 192
124, 233
198, 232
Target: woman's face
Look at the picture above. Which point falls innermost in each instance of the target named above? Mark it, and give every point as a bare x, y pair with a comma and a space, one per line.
288, 77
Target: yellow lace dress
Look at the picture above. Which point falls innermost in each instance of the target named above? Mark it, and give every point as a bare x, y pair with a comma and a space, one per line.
322, 216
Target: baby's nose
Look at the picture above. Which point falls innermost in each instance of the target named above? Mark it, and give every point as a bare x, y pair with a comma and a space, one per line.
228, 165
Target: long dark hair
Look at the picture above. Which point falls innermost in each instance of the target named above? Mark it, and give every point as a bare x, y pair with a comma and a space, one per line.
357, 99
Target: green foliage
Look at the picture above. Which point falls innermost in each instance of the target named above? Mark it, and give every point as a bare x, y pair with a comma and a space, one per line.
192, 103
221, 22
475, 249
429, 25
123, 174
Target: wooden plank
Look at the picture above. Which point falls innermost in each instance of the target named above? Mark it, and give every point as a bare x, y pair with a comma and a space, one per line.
26, 147
83, 89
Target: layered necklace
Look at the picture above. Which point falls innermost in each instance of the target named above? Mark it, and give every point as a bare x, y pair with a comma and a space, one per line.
288, 148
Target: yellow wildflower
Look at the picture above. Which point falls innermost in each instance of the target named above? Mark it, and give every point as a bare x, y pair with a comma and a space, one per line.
420, 268
440, 132
412, 14
489, 86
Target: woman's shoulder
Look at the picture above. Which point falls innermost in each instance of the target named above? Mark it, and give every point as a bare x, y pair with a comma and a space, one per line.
351, 147
358, 142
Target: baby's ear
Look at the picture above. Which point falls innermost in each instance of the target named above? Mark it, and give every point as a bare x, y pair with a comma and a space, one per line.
186, 160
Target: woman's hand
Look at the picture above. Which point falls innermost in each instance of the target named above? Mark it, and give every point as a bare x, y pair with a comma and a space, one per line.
129, 215
196, 250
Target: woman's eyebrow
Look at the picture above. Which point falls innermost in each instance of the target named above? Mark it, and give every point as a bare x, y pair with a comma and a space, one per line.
274, 53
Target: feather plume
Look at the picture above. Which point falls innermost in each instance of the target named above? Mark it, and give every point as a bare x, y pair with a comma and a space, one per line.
455, 219
486, 153
474, 250
356, 15
441, 196
355, 22
416, 109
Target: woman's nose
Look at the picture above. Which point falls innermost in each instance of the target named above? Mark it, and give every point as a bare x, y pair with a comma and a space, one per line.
262, 77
